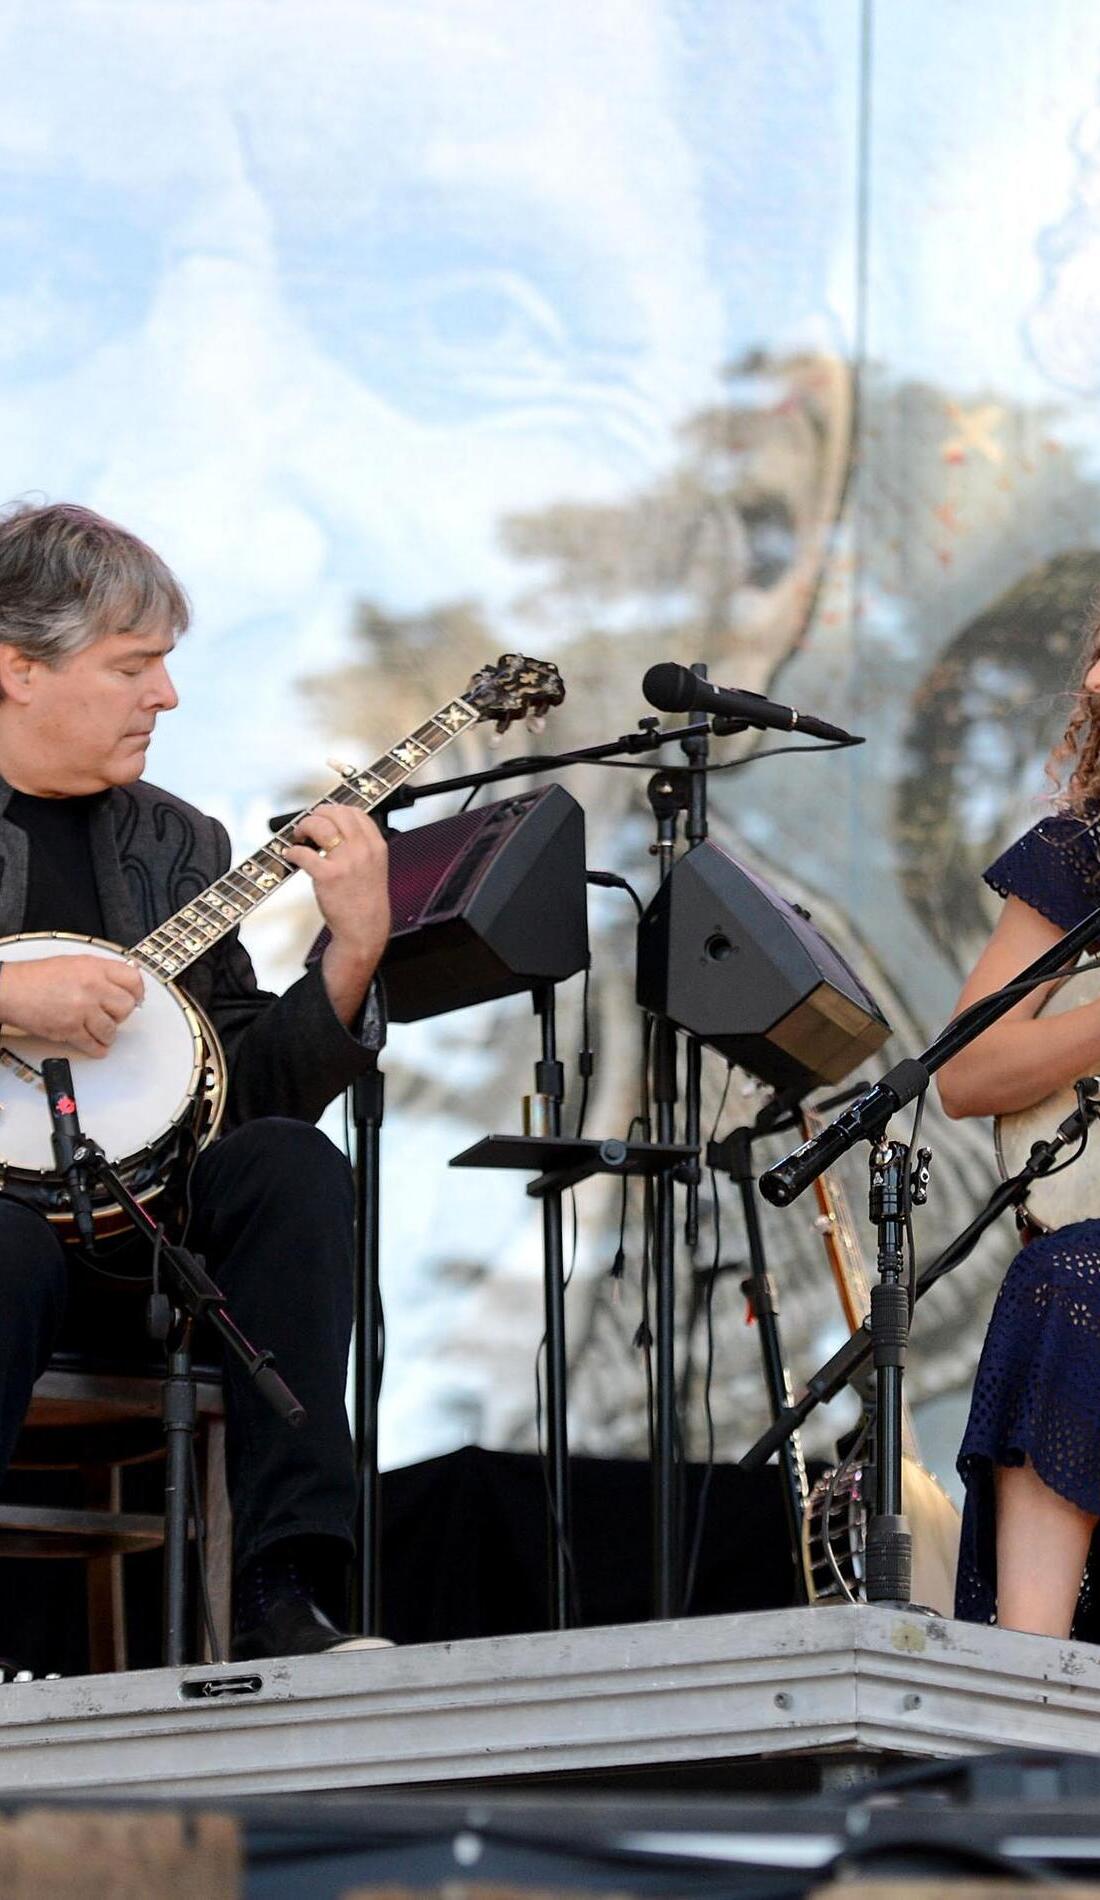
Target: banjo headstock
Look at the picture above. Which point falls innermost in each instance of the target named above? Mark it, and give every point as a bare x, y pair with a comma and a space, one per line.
515, 688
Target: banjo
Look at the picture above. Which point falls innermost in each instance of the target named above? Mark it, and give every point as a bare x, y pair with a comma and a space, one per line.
159, 1093
1053, 1200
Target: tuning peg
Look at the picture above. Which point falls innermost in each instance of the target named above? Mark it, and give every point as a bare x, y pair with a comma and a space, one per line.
536, 722
337, 765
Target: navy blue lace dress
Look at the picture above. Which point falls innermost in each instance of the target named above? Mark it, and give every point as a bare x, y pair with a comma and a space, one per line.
1037, 1387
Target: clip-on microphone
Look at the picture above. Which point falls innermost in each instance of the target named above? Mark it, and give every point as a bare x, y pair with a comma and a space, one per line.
67, 1137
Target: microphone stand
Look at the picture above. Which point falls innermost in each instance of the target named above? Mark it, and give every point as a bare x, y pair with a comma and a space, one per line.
666, 798
368, 1100
669, 794
195, 1296
841, 1369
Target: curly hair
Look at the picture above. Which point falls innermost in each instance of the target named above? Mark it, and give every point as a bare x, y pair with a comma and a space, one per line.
1079, 747
68, 575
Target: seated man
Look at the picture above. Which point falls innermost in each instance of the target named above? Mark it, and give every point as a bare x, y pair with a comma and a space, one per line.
88, 618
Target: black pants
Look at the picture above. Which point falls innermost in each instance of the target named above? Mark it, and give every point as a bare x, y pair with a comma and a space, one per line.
272, 1216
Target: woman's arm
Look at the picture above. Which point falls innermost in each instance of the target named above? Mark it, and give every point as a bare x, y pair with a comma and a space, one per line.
1019, 1060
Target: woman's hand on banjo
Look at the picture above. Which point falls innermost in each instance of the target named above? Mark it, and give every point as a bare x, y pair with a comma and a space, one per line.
79, 1001
348, 861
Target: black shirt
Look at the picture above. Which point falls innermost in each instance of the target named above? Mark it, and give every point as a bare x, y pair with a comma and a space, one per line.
61, 886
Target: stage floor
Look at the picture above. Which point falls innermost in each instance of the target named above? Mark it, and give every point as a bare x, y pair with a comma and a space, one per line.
753, 1699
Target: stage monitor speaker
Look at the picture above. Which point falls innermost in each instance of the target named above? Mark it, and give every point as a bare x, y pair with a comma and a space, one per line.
486, 903
721, 954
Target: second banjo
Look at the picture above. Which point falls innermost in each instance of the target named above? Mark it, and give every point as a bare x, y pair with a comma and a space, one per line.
1057, 1199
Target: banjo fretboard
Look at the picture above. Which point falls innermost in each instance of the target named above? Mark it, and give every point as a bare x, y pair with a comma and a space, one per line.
176, 944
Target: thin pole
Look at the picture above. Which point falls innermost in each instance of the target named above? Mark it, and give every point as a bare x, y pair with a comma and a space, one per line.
549, 1089
368, 1107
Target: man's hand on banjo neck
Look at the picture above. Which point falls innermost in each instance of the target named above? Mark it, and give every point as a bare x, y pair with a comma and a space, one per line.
80, 1001
347, 858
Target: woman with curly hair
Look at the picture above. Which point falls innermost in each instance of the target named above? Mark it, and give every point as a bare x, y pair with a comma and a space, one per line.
1030, 1456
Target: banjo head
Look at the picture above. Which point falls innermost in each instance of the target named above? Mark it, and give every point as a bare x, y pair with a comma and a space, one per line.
131, 1100
1059, 1199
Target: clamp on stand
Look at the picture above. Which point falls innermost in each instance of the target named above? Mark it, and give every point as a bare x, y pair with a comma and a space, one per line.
194, 1296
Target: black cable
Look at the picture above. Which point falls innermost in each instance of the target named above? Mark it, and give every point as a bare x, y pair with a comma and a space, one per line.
200, 1557
910, 1163
729, 765
560, 1538
643, 1337
708, 1308
543, 1455
585, 1061
1082, 1143
187, 1211
618, 1264
1025, 989
708, 1413
610, 880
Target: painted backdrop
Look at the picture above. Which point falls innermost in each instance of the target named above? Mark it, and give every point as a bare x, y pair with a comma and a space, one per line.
762, 332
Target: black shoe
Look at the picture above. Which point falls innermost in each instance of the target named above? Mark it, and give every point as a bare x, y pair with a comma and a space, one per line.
277, 1613
295, 1626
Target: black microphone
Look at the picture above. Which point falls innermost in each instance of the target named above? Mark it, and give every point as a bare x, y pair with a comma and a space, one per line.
673, 688
862, 1121
67, 1135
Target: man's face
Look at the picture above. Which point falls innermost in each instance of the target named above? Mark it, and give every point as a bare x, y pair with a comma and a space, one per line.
86, 724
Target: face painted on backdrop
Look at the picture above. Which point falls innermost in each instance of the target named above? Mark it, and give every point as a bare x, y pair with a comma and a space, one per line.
413, 272
86, 724
529, 275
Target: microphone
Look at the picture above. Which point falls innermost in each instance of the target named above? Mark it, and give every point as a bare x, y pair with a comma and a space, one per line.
673, 688
862, 1121
67, 1135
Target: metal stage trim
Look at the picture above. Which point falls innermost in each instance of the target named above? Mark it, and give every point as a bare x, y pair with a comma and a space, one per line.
776, 1686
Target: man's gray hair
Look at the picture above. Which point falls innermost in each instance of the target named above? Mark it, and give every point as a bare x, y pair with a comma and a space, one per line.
67, 576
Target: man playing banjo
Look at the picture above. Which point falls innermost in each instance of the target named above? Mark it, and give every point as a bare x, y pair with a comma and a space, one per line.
88, 618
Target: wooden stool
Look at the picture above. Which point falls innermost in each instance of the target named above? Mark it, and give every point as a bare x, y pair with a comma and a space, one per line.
95, 1423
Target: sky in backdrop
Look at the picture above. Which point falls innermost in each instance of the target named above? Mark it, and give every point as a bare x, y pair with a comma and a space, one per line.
312, 296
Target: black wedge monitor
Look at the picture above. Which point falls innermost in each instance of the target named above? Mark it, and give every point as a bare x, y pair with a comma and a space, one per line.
721, 954
487, 903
